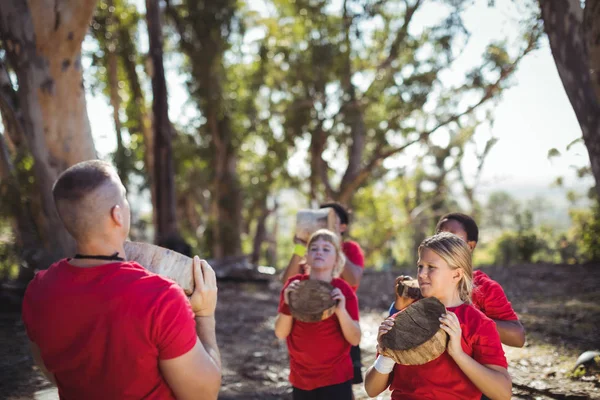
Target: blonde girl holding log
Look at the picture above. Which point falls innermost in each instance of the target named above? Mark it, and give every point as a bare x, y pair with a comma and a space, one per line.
320, 363
474, 362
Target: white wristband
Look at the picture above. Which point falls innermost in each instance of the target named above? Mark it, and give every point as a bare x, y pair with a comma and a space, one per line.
384, 365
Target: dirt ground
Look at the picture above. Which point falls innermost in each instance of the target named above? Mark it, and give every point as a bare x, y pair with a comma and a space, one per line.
558, 305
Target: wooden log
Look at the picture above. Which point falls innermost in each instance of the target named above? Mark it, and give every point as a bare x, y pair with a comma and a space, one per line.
410, 288
309, 221
312, 301
165, 262
416, 337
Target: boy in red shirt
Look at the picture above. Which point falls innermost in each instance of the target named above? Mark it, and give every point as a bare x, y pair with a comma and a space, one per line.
320, 363
487, 295
352, 272
104, 328
473, 362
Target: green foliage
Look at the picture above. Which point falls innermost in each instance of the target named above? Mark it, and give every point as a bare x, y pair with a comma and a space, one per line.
586, 232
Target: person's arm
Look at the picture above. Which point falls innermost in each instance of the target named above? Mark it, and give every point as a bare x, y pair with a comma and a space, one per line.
293, 267
352, 273
198, 370
283, 325
285, 322
350, 327
490, 298
512, 333
37, 357
378, 376
492, 380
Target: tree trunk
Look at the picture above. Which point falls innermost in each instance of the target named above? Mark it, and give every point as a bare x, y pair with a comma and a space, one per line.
164, 174
113, 89
563, 22
44, 48
127, 54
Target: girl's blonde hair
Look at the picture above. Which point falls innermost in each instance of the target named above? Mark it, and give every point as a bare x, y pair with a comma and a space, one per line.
329, 236
455, 252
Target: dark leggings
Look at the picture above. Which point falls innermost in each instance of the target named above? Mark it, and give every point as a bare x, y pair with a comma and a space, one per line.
342, 391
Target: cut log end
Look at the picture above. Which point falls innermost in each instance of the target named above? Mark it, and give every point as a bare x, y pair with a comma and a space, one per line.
309, 221
410, 288
312, 301
164, 262
416, 337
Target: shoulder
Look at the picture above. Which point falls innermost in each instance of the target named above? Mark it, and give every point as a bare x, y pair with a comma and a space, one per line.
297, 277
483, 284
342, 285
354, 252
351, 245
471, 316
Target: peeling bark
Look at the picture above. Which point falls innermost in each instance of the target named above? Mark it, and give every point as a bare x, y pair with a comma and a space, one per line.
44, 50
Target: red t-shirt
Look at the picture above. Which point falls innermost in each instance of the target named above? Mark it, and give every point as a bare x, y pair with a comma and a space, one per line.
489, 297
355, 254
442, 378
102, 330
319, 353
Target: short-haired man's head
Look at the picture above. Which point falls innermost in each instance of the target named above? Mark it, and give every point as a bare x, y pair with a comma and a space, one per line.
84, 193
329, 236
468, 224
456, 253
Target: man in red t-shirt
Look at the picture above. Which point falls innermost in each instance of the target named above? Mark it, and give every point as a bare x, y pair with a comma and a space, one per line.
352, 272
104, 328
488, 296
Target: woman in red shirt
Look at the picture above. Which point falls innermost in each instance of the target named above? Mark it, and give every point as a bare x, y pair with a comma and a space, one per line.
320, 363
474, 361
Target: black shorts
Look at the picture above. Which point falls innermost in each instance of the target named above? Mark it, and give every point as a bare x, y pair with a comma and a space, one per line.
342, 391
357, 364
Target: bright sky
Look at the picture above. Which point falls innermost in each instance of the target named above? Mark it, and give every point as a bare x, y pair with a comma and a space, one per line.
532, 117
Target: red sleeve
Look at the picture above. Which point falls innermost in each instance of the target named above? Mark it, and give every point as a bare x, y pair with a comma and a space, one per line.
487, 348
284, 308
27, 307
489, 297
351, 299
354, 253
174, 325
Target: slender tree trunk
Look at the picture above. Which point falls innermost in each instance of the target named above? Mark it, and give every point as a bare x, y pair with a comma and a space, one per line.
166, 221
44, 48
127, 54
563, 22
113, 88
261, 232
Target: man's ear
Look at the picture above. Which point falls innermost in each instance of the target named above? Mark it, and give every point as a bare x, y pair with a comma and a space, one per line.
117, 216
471, 244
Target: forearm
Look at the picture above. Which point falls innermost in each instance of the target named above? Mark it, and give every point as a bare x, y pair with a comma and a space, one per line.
292, 269
37, 357
283, 325
375, 382
494, 384
352, 273
350, 328
205, 329
511, 333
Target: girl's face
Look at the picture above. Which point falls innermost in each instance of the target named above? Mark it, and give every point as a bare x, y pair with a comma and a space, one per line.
436, 278
321, 255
